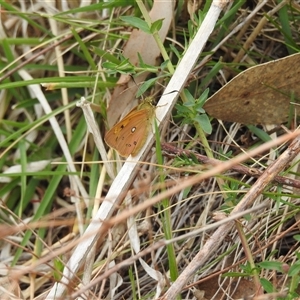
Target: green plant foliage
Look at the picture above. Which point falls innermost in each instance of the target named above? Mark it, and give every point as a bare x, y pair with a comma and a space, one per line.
192, 112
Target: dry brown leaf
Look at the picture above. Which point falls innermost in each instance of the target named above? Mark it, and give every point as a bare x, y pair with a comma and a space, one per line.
259, 95
242, 288
144, 44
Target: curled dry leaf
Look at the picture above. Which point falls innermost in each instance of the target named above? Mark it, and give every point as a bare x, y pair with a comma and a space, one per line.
259, 95
144, 44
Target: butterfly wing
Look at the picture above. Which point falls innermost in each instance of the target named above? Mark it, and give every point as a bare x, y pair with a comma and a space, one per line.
129, 135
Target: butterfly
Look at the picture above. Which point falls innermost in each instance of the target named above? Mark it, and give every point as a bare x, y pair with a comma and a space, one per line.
129, 135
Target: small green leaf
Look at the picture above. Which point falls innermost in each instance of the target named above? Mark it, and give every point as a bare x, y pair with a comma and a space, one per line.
267, 285
104, 54
183, 111
204, 122
164, 65
175, 51
148, 68
58, 268
200, 102
294, 269
190, 99
145, 86
156, 26
199, 109
188, 95
124, 67
259, 133
297, 237
137, 22
203, 97
271, 265
234, 274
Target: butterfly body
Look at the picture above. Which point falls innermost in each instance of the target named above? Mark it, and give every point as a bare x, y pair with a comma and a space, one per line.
129, 135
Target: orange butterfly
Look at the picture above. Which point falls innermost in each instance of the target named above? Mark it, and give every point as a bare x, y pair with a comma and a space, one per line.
130, 134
